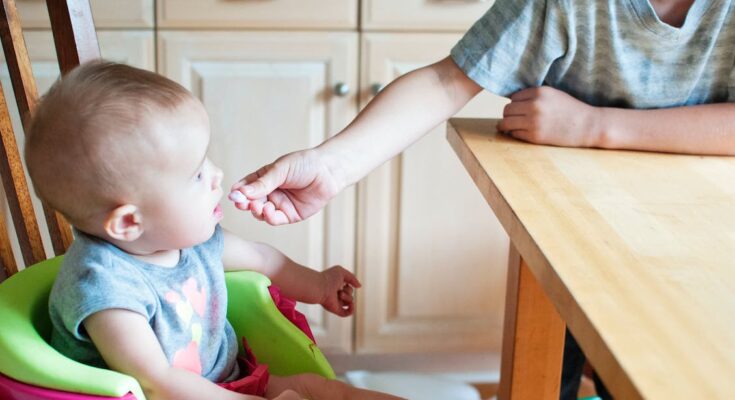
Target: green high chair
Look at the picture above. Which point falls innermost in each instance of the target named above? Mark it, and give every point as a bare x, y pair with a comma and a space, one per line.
31, 367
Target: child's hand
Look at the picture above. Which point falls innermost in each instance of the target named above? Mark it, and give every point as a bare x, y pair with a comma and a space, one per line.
545, 115
289, 190
339, 285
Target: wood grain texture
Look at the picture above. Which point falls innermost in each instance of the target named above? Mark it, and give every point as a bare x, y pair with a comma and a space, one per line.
6, 252
634, 249
16, 192
533, 338
74, 34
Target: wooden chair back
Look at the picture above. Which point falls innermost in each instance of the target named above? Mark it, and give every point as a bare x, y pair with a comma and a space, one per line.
76, 42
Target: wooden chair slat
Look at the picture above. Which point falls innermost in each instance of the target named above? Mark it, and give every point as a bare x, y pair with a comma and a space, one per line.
26, 95
7, 259
16, 191
74, 35
16, 56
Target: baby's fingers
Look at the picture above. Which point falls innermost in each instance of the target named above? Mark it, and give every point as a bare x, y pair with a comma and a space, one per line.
345, 298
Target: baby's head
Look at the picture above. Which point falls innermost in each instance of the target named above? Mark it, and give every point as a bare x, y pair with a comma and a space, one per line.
121, 153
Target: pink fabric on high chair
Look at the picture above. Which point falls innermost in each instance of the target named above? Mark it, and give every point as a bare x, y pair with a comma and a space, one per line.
287, 307
255, 376
11, 389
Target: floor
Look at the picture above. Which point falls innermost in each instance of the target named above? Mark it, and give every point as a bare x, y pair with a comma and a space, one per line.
488, 390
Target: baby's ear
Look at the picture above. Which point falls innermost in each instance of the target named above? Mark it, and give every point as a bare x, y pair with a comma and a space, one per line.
124, 223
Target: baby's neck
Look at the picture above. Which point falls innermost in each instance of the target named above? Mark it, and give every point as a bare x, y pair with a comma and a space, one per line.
163, 258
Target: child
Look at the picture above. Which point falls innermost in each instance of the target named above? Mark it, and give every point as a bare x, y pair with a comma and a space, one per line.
590, 73
121, 153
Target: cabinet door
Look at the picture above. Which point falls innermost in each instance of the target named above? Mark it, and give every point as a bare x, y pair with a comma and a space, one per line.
431, 255
268, 93
106, 13
425, 15
131, 47
276, 14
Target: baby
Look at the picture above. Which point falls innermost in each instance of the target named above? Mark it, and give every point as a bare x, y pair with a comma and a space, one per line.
121, 153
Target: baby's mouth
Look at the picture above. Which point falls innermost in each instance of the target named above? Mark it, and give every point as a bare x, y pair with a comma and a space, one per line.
217, 211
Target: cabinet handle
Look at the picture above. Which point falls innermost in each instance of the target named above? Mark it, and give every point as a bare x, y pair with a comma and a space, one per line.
341, 89
376, 87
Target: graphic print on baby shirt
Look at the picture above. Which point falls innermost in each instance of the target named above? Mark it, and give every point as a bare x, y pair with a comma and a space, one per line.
188, 308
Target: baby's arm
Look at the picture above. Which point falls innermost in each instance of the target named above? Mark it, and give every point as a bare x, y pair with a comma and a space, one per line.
549, 116
331, 288
128, 345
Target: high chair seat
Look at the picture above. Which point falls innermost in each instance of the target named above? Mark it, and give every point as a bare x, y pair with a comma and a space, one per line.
31, 369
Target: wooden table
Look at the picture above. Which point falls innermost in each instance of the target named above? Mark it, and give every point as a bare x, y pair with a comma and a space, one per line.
635, 251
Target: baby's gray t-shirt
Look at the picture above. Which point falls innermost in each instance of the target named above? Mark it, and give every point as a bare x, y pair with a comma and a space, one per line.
614, 53
185, 305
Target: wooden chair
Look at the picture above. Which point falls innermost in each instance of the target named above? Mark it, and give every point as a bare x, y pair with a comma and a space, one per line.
29, 367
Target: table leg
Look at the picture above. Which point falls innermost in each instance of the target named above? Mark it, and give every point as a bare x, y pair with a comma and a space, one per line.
533, 338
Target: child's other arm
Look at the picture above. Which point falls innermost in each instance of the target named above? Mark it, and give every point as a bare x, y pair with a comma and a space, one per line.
331, 288
549, 116
300, 184
128, 345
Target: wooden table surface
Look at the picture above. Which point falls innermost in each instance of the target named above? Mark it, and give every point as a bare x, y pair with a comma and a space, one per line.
635, 250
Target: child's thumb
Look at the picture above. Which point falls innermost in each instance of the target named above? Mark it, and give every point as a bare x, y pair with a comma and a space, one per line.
264, 185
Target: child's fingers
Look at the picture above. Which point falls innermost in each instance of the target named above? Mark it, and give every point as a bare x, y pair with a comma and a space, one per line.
522, 134
345, 298
513, 123
525, 94
345, 310
273, 216
351, 279
256, 206
285, 205
516, 108
241, 202
348, 289
265, 180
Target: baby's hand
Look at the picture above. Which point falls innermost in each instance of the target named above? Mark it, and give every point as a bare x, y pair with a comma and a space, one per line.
339, 285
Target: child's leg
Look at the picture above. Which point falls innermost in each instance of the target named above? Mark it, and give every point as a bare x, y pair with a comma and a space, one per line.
315, 387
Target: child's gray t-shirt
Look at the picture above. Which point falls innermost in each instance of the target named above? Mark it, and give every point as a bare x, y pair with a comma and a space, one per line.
185, 305
615, 53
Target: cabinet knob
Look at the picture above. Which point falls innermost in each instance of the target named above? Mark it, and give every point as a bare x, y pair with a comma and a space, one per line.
376, 87
341, 89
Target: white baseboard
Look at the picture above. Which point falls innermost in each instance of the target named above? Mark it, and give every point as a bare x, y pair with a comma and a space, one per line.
465, 367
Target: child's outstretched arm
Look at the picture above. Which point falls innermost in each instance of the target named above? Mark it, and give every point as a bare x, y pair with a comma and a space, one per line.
549, 116
128, 345
331, 288
300, 184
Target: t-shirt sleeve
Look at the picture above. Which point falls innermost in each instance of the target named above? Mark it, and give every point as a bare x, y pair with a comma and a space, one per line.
731, 86
95, 283
513, 45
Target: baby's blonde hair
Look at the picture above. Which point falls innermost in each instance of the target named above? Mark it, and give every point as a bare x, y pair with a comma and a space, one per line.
85, 128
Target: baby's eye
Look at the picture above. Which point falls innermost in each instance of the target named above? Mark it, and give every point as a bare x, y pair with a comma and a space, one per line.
199, 176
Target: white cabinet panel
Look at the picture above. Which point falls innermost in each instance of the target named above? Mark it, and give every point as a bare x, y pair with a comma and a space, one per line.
432, 255
276, 14
422, 15
268, 93
106, 13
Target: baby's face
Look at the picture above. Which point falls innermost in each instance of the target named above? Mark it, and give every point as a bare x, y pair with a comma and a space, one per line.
181, 203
